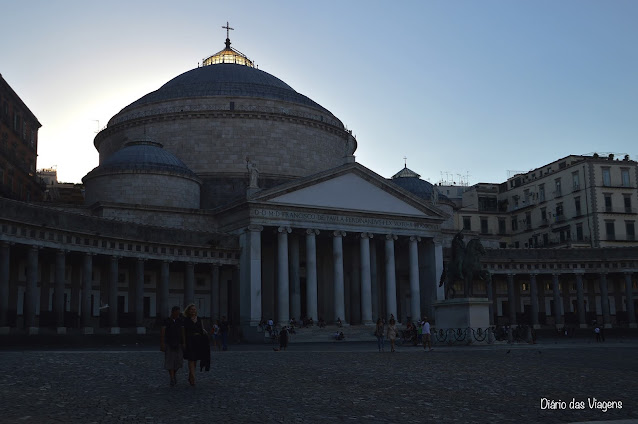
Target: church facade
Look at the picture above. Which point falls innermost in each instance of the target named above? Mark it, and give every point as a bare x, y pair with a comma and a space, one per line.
228, 189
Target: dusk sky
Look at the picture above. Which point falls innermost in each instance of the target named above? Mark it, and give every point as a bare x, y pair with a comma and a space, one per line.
458, 87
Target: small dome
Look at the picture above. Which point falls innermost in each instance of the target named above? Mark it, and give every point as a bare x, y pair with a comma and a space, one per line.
411, 181
144, 156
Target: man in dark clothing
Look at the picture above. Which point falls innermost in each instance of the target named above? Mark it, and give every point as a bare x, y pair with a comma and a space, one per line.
172, 341
223, 329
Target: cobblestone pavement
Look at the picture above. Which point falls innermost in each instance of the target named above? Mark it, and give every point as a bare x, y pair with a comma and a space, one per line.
319, 383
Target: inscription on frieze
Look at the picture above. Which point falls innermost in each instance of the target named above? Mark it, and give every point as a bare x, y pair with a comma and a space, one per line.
336, 219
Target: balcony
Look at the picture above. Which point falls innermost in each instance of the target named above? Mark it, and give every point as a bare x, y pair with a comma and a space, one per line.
576, 188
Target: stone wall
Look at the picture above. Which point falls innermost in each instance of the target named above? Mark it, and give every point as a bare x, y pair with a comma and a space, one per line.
283, 139
143, 189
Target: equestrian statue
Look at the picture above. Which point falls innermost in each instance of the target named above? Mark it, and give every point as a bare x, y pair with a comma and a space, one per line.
465, 266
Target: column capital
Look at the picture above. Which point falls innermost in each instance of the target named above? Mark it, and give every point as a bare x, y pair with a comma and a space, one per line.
338, 233
391, 237
367, 235
34, 247
255, 228
312, 231
415, 238
284, 229
61, 251
533, 274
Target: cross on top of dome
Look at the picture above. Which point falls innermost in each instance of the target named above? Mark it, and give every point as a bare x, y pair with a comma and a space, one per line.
228, 55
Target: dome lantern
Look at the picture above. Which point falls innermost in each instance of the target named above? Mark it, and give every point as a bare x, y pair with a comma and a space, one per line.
228, 55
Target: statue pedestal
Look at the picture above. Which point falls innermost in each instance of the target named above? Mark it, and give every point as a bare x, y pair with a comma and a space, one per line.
463, 321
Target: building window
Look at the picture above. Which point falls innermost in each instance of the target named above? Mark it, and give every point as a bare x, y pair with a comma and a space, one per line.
579, 232
515, 199
610, 229
544, 215
576, 181
559, 210
484, 226
467, 223
541, 192
625, 177
630, 230
514, 223
577, 205
606, 177
608, 203
501, 226
526, 196
545, 239
627, 203
558, 191
528, 220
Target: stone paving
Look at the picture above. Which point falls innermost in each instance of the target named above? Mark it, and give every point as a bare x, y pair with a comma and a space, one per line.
319, 383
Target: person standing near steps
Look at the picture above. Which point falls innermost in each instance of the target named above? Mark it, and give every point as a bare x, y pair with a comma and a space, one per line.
172, 341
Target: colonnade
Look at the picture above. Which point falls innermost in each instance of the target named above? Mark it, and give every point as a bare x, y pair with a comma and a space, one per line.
82, 288
288, 299
559, 292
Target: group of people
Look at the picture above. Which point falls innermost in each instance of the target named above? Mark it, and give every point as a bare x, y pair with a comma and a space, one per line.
184, 337
390, 332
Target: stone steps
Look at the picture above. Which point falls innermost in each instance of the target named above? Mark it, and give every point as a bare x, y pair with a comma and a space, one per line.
354, 333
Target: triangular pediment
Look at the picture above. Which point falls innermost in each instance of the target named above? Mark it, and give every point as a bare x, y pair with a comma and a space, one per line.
353, 188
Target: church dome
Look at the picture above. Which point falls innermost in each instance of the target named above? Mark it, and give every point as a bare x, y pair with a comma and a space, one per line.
143, 155
143, 173
412, 182
226, 80
215, 118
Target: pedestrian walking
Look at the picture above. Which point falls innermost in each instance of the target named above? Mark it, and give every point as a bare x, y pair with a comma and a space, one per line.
172, 343
283, 339
427, 338
378, 332
223, 329
197, 345
391, 333
216, 336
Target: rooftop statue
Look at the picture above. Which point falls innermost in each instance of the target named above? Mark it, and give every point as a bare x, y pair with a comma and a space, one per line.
253, 173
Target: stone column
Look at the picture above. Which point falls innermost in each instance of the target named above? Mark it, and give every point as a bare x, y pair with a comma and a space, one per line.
366, 286
76, 283
295, 281
58, 291
604, 300
165, 275
113, 281
214, 293
139, 297
283, 282
5, 256
629, 299
189, 284
337, 260
87, 283
557, 302
311, 274
390, 277
490, 296
250, 284
511, 299
30, 290
582, 321
415, 292
374, 280
533, 293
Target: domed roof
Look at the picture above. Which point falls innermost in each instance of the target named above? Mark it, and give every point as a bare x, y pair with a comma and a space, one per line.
142, 155
411, 181
226, 79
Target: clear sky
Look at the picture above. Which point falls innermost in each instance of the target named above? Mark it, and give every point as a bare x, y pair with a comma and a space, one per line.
458, 87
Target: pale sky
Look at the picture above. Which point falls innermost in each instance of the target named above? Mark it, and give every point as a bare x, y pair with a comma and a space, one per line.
458, 87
